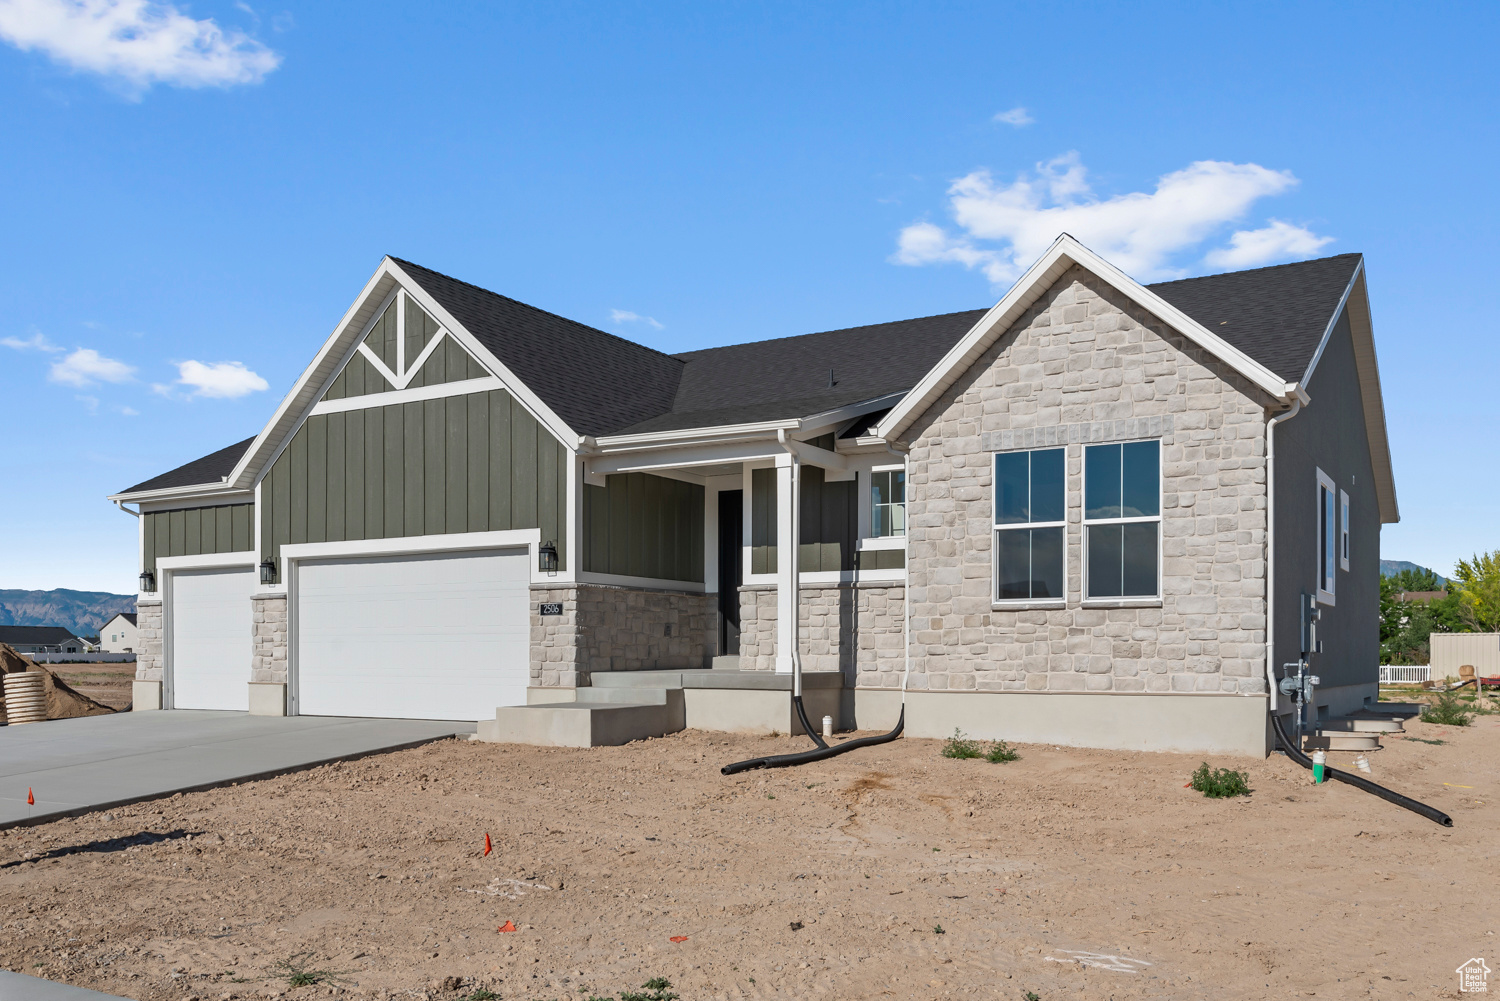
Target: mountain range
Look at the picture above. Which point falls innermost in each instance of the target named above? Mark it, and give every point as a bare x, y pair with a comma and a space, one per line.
1389, 568
81, 612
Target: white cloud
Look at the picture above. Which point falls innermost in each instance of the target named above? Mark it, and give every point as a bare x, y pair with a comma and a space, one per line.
1251, 248
626, 316
221, 380
130, 411
1005, 227
36, 342
1015, 116
138, 41
90, 403
85, 367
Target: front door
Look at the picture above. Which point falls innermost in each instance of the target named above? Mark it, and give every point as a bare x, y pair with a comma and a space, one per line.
731, 541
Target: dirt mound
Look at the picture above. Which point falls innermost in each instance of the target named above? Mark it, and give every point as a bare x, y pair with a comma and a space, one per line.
62, 701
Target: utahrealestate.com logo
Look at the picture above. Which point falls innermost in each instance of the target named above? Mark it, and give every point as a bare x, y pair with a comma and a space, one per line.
1474, 977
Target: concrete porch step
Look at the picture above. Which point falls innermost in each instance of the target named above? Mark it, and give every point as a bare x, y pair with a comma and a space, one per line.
600, 718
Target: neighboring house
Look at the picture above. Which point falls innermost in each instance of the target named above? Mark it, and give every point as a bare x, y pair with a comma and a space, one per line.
41, 639
1055, 518
1422, 596
118, 635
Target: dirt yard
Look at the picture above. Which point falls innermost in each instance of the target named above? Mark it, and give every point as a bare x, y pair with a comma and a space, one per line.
889, 873
107, 683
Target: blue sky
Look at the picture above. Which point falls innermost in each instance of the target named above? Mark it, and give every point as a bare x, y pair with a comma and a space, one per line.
192, 195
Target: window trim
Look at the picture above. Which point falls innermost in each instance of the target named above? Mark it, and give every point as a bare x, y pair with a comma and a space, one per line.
1325, 596
870, 505
1343, 531
1021, 604
1132, 600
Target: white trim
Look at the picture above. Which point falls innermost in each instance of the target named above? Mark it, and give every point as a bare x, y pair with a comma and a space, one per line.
1026, 604
207, 561
379, 366
1085, 522
1064, 253
427, 350
400, 339
1343, 531
236, 499
1325, 482
691, 436
1333, 321
1367, 367
996, 528
880, 542
371, 401
654, 583
418, 544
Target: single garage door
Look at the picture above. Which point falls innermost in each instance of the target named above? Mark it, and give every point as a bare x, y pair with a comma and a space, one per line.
211, 624
437, 636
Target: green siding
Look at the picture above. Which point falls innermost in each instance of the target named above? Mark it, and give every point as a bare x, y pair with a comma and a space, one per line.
882, 559
829, 522
473, 463
639, 525
197, 531
449, 362
762, 521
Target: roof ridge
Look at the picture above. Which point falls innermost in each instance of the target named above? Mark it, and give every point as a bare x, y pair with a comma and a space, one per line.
557, 316
1251, 271
834, 330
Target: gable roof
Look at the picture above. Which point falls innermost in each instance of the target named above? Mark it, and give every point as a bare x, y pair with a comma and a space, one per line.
35, 635
127, 616
212, 468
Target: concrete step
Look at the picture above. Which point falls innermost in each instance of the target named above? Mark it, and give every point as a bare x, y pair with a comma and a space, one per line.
727, 662
602, 719
1360, 724
623, 696
1341, 742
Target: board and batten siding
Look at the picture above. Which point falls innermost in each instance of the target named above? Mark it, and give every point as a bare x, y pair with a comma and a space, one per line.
829, 522
640, 525
472, 463
197, 531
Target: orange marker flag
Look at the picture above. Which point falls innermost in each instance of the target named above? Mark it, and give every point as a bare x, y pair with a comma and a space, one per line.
30, 798
507, 927
486, 842
678, 938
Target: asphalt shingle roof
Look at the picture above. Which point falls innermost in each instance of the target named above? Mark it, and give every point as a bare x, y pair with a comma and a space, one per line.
44, 635
601, 384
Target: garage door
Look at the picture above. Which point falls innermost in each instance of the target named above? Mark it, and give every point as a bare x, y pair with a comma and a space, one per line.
417, 637
211, 627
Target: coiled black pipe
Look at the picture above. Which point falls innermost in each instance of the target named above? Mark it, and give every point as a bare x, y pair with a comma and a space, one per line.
1295, 753
803, 757
806, 726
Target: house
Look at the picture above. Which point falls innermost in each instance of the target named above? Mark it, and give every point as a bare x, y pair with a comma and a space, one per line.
41, 639
118, 635
1096, 513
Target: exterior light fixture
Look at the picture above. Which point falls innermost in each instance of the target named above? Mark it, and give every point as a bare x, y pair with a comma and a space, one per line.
547, 558
267, 572
148, 581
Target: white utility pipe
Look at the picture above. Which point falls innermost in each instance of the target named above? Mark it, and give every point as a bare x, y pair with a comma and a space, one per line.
794, 628
905, 458
1271, 548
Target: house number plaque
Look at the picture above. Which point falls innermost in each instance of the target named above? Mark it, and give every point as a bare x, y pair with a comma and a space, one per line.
551, 608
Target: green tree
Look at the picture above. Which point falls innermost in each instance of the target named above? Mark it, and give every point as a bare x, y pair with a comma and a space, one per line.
1406, 626
1477, 582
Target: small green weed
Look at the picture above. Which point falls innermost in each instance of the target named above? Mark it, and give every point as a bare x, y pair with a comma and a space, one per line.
1000, 751
483, 994
1424, 740
770, 795
939, 930
297, 973
959, 746
1033, 996
659, 988
1220, 783
1448, 710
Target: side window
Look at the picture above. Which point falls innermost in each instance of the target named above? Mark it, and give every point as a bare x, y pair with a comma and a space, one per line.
1122, 519
1343, 530
1327, 557
887, 503
1030, 516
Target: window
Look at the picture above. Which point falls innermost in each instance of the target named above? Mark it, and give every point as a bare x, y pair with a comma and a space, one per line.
1343, 530
1327, 558
1122, 519
887, 503
1030, 511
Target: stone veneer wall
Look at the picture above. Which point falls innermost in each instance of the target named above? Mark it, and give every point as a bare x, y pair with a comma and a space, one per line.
269, 641
149, 656
853, 628
606, 627
1085, 364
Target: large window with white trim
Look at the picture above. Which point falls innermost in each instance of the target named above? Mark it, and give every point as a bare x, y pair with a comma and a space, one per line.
1122, 520
887, 503
1030, 525
1328, 545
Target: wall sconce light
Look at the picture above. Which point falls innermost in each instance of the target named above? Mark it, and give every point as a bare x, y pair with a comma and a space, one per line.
148, 581
267, 572
547, 558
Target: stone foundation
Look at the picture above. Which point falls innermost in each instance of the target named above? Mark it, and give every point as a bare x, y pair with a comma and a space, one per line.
150, 645
855, 629
605, 627
269, 641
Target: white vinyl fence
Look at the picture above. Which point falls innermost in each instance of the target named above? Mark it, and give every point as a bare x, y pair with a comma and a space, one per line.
1404, 674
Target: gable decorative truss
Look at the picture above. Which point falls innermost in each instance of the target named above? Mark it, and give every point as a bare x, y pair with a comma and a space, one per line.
1065, 253
383, 288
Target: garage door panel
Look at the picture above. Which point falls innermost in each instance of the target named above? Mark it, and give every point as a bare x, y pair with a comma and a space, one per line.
212, 627
444, 636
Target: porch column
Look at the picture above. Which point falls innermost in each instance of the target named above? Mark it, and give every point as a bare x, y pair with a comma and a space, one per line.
788, 497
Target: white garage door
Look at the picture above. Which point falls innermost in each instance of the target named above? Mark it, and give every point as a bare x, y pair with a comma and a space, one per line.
444, 636
211, 627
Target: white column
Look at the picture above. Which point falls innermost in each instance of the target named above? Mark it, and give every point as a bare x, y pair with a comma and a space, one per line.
788, 496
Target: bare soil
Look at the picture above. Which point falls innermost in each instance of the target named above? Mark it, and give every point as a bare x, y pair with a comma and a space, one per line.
889, 872
106, 683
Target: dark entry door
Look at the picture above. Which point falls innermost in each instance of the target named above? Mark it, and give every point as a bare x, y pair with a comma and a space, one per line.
731, 542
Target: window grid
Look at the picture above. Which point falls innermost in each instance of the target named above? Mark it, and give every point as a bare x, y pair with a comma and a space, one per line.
1011, 534
887, 503
1095, 589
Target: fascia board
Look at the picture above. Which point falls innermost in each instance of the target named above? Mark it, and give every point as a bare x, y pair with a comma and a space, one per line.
846, 413
366, 307
1333, 321
689, 436
196, 491
1367, 367
513, 384
1064, 253
686, 456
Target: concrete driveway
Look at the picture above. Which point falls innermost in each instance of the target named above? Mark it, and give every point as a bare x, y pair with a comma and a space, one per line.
78, 765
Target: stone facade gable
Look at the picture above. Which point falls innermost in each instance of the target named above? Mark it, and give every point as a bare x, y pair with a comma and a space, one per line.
1085, 364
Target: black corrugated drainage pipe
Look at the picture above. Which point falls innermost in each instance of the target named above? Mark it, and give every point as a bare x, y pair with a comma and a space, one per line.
818, 753
1295, 753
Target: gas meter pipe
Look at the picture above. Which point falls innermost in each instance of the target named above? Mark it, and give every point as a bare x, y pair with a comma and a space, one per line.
1390, 796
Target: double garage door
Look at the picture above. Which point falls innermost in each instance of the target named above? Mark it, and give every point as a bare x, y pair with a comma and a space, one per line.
430, 636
